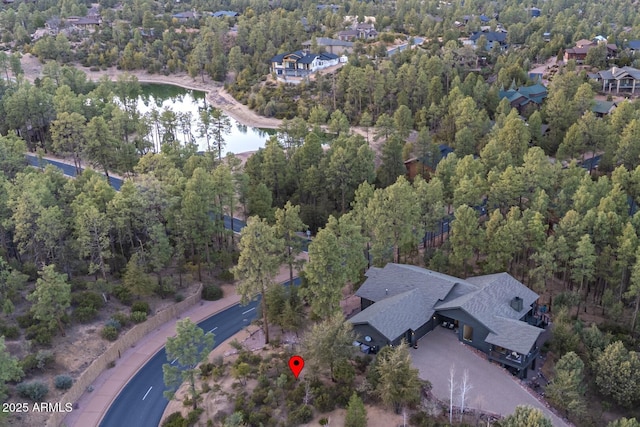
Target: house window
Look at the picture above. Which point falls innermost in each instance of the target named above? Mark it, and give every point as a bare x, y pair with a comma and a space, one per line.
467, 333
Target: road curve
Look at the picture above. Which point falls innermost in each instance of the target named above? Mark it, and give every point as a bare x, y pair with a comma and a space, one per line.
141, 402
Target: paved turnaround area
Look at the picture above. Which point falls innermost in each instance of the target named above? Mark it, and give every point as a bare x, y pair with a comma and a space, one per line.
493, 388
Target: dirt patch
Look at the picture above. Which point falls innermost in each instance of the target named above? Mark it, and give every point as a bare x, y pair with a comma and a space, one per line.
376, 417
75, 351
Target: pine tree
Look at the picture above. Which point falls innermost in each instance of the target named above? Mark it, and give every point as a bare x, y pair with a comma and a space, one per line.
356, 413
190, 347
51, 297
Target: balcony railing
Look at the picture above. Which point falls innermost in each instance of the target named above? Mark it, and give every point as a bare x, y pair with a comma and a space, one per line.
519, 361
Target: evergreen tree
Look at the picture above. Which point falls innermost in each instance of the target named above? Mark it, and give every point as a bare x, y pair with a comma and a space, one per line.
566, 389
356, 413
618, 374
526, 416
258, 264
398, 383
51, 297
190, 347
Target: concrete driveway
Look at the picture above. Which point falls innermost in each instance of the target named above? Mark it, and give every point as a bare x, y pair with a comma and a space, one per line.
493, 388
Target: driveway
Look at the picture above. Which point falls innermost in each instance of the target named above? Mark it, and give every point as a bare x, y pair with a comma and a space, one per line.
493, 388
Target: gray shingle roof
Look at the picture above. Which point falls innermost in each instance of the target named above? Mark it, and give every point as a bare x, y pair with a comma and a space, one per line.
620, 73
406, 296
398, 279
326, 41
493, 299
395, 315
514, 335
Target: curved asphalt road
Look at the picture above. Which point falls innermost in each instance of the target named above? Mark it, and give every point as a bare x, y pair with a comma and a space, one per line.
141, 402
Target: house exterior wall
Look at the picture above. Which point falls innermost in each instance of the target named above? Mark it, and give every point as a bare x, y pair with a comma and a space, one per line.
338, 50
377, 339
480, 332
426, 328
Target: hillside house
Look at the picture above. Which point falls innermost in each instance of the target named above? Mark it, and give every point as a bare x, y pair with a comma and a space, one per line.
582, 48
301, 63
617, 79
359, 30
493, 39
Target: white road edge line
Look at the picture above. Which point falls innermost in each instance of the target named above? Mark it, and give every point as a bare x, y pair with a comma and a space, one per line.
213, 329
251, 309
145, 395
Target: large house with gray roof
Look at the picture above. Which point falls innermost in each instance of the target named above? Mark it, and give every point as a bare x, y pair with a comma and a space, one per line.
301, 63
618, 79
495, 313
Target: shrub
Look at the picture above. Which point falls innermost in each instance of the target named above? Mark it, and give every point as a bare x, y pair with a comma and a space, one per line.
141, 306
175, 420
41, 334
78, 284
10, 332
226, 276
26, 320
259, 395
166, 289
301, 415
113, 322
30, 269
179, 298
138, 316
35, 390
29, 363
211, 293
123, 294
422, 419
44, 359
87, 299
121, 318
193, 416
260, 417
85, 314
205, 369
109, 333
324, 402
63, 382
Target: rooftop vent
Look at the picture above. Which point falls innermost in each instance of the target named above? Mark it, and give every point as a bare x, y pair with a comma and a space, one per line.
516, 304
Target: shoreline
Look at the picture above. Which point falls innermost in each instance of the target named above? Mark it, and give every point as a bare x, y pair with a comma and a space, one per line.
215, 93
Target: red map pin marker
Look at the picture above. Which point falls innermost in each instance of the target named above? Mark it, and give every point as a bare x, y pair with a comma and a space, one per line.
296, 363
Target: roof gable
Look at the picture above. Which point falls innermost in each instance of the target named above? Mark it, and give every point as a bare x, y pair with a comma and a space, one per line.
405, 297
393, 316
493, 299
491, 36
396, 279
514, 335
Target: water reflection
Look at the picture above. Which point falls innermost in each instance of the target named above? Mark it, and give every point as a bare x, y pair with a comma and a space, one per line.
177, 110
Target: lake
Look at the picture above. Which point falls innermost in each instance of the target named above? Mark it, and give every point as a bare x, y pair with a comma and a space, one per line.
161, 96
